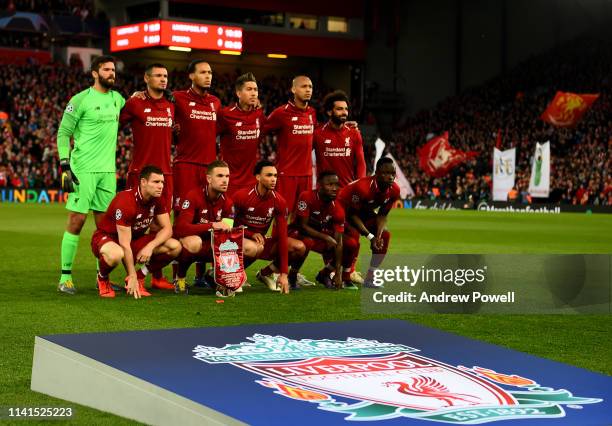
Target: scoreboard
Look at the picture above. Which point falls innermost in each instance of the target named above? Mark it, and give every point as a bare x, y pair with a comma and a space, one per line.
175, 33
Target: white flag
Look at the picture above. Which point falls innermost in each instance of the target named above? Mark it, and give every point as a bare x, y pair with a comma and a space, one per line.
539, 183
503, 173
405, 187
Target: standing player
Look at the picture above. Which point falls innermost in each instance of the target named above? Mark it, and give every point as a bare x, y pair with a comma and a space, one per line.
196, 123
240, 129
202, 210
367, 203
122, 234
256, 209
293, 124
91, 119
319, 224
196, 144
151, 118
339, 147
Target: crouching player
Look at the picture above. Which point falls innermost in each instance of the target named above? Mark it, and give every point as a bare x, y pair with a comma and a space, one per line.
256, 208
201, 210
367, 202
122, 234
319, 224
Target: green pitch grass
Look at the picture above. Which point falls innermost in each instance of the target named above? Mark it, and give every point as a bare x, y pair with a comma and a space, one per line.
30, 236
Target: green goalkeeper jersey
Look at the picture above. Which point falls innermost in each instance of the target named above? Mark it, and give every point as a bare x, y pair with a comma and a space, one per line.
91, 118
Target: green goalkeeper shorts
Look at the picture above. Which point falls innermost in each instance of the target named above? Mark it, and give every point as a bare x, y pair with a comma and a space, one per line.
95, 191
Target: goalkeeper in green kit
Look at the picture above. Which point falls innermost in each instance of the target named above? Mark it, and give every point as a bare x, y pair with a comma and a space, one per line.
91, 119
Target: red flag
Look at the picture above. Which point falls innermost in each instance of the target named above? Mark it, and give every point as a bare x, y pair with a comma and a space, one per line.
437, 157
566, 109
498, 140
228, 260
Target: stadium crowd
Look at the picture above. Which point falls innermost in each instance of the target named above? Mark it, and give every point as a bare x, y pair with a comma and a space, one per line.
512, 104
33, 96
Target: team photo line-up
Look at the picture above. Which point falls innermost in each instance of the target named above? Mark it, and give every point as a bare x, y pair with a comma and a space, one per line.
209, 189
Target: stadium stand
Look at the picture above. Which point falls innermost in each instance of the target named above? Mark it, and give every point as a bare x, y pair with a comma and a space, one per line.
33, 97
513, 103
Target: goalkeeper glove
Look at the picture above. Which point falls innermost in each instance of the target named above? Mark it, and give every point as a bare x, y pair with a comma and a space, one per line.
68, 178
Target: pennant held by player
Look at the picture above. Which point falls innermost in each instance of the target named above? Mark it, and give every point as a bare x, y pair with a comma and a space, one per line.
567, 108
437, 157
228, 258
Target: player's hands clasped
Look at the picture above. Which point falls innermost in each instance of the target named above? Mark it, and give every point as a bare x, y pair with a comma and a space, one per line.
259, 239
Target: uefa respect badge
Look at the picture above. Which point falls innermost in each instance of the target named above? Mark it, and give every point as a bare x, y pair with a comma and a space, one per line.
388, 381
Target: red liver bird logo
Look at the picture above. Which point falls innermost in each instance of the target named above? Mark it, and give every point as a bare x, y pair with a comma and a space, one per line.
430, 387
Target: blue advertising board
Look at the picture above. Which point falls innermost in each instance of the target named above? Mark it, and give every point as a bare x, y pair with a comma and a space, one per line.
387, 372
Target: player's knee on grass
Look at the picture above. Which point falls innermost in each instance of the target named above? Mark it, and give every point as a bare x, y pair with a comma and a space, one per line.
75, 222
193, 244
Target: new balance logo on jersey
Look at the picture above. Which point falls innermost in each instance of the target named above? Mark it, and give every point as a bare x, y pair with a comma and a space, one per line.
294, 119
139, 216
191, 103
327, 141
147, 110
251, 209
239, 123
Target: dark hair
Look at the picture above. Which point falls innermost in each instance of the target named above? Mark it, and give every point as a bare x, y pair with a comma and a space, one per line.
192, 65
214, 164
243, 79
382, 161
326, 173
335, 96
99, 60
150, 67
261, 164
149, 170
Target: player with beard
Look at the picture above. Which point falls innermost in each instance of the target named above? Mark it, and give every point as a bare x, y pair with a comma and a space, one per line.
91, 119
367, 202
339, 147
196, 127
203, 210
240, 130
196, 143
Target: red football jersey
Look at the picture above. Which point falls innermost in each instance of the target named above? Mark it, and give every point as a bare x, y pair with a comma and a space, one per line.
197, 117
151, 121
129, 209
256, 213
240, 133
340, 150
363, 197
294, 128
198, 213
327, 217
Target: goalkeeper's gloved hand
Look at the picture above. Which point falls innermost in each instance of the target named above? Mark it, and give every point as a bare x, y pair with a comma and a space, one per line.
68, 178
